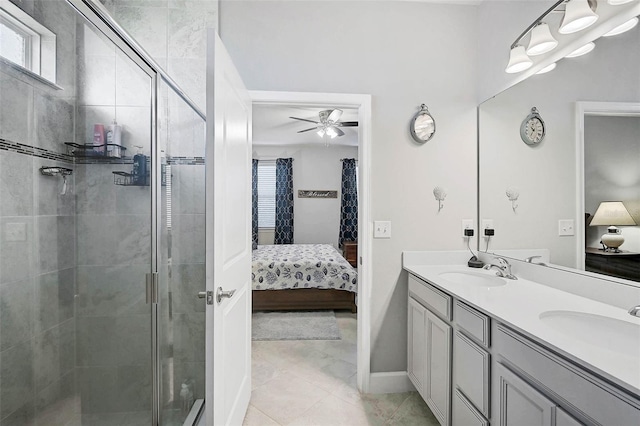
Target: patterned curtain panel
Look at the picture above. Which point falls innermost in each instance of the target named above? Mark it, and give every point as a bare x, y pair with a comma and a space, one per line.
349, 203
284, 201
254, 204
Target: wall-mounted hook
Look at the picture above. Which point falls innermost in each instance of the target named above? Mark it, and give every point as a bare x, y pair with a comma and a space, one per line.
440, 194
512, 195
57, 171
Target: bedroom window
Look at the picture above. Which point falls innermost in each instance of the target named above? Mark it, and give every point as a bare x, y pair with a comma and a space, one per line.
266, 194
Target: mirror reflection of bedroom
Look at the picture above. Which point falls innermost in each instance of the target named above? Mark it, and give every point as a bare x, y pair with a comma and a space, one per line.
305, 241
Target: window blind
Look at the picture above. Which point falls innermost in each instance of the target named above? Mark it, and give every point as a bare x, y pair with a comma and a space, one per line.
266, 194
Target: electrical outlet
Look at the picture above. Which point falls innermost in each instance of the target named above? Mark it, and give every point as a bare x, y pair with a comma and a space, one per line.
381, 229
566, 227
466, 224
487, 224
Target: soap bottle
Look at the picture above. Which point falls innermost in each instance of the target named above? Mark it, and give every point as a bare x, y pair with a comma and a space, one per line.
140, 168
114, 138
98, 139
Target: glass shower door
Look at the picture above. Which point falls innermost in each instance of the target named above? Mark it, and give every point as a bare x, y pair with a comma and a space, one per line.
182, 257
114, 231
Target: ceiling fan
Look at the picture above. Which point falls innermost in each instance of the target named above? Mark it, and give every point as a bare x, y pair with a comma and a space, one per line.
329, 123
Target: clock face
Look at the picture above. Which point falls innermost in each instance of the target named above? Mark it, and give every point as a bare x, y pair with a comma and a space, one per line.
532, 130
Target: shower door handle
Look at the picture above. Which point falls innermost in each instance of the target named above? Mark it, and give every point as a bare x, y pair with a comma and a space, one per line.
221, 294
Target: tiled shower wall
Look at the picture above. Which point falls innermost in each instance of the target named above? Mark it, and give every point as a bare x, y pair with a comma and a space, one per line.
37, 237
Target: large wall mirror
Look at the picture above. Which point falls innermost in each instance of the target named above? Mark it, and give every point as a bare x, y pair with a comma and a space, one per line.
590, 154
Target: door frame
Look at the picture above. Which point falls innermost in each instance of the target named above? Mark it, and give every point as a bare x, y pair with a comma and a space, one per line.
583, 109
365, 226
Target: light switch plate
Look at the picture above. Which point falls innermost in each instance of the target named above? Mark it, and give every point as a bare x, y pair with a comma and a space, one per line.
566, 227
382, 229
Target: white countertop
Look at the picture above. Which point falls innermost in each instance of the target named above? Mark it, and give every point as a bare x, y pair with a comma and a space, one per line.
519, 304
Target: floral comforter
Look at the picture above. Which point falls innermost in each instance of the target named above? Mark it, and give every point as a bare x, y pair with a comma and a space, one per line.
284, 266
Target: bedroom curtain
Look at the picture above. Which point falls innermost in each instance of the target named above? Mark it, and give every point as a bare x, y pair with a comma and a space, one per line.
254, 204
284, 201
349, 202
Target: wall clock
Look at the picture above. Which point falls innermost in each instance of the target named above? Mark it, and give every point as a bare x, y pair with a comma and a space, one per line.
532, 129
422, 126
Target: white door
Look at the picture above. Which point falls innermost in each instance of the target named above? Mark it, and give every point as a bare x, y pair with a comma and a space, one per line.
228, 239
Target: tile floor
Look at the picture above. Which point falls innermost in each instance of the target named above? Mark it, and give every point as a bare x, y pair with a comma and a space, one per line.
313, 382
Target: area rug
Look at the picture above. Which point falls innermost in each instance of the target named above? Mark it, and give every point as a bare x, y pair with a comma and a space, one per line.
297, 325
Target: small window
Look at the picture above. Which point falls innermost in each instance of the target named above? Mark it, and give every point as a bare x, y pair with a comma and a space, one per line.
266, 194
26, 43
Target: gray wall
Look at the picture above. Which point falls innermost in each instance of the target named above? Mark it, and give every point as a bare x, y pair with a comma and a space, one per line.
37, 238
404, 54
316, 221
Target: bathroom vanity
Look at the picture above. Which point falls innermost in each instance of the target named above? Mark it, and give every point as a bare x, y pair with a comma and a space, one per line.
487, 350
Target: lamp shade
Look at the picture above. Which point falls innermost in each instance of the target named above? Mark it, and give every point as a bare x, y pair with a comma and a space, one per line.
577, 16
612, 213
518, 60
547, 69
582, 50
617, 2
541, 40
622, 27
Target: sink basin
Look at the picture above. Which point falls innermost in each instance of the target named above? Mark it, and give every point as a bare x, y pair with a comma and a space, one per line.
472, 278
597, 330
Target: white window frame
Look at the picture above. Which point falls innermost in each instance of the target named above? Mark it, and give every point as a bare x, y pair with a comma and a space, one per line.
41, 42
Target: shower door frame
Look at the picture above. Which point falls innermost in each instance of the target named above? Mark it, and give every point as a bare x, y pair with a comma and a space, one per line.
96, 14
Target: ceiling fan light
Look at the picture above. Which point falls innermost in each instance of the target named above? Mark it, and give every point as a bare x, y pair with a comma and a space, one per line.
577, 16
518, 60
618, 2
321, 133
332, 132
631, 23
541, 40
582, 50
547, 69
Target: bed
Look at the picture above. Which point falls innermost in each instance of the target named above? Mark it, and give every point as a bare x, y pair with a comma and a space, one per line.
302, 277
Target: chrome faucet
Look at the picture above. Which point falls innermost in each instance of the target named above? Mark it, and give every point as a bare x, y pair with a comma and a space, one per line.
635, 311
503, 267
530, 260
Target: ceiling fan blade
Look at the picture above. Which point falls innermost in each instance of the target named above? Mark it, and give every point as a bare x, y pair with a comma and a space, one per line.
304, 119
338, 131
334, 115
347, 124
307, 130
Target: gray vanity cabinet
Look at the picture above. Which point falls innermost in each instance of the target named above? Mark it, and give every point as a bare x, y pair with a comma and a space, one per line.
429, 347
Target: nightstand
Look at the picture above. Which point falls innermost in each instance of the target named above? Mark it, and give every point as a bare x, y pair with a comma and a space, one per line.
622, 265
350, 252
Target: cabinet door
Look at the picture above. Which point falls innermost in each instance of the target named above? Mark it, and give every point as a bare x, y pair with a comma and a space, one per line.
437, 392
520, 404
417, 345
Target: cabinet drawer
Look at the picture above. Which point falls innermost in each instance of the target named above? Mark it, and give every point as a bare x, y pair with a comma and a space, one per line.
474, 323
437, 301
471, 372
575, 389
464, 413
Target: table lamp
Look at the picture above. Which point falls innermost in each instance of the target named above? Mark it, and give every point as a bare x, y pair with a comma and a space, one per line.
612, 214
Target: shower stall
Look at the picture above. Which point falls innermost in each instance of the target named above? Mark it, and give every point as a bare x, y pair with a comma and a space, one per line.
102, 254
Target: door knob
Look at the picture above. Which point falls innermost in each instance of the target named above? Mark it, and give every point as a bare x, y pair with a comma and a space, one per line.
221, 294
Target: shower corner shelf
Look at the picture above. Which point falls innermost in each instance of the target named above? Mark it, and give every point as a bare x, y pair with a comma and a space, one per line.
130, 179
89, 150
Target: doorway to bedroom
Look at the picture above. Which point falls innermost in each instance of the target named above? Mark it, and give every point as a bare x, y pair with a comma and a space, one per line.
309, 320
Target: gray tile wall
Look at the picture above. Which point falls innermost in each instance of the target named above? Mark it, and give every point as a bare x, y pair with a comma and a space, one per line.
37, 238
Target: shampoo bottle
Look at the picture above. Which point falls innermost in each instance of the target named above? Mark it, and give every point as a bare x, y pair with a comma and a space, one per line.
140, 168
98, 139
114, 137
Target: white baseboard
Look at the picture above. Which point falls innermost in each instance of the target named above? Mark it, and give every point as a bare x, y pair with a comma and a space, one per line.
391, 382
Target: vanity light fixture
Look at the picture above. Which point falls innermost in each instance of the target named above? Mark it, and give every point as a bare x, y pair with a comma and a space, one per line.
618, 2
541, 40
548, 68
518, 60
578, 15
582, 50
630, 24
